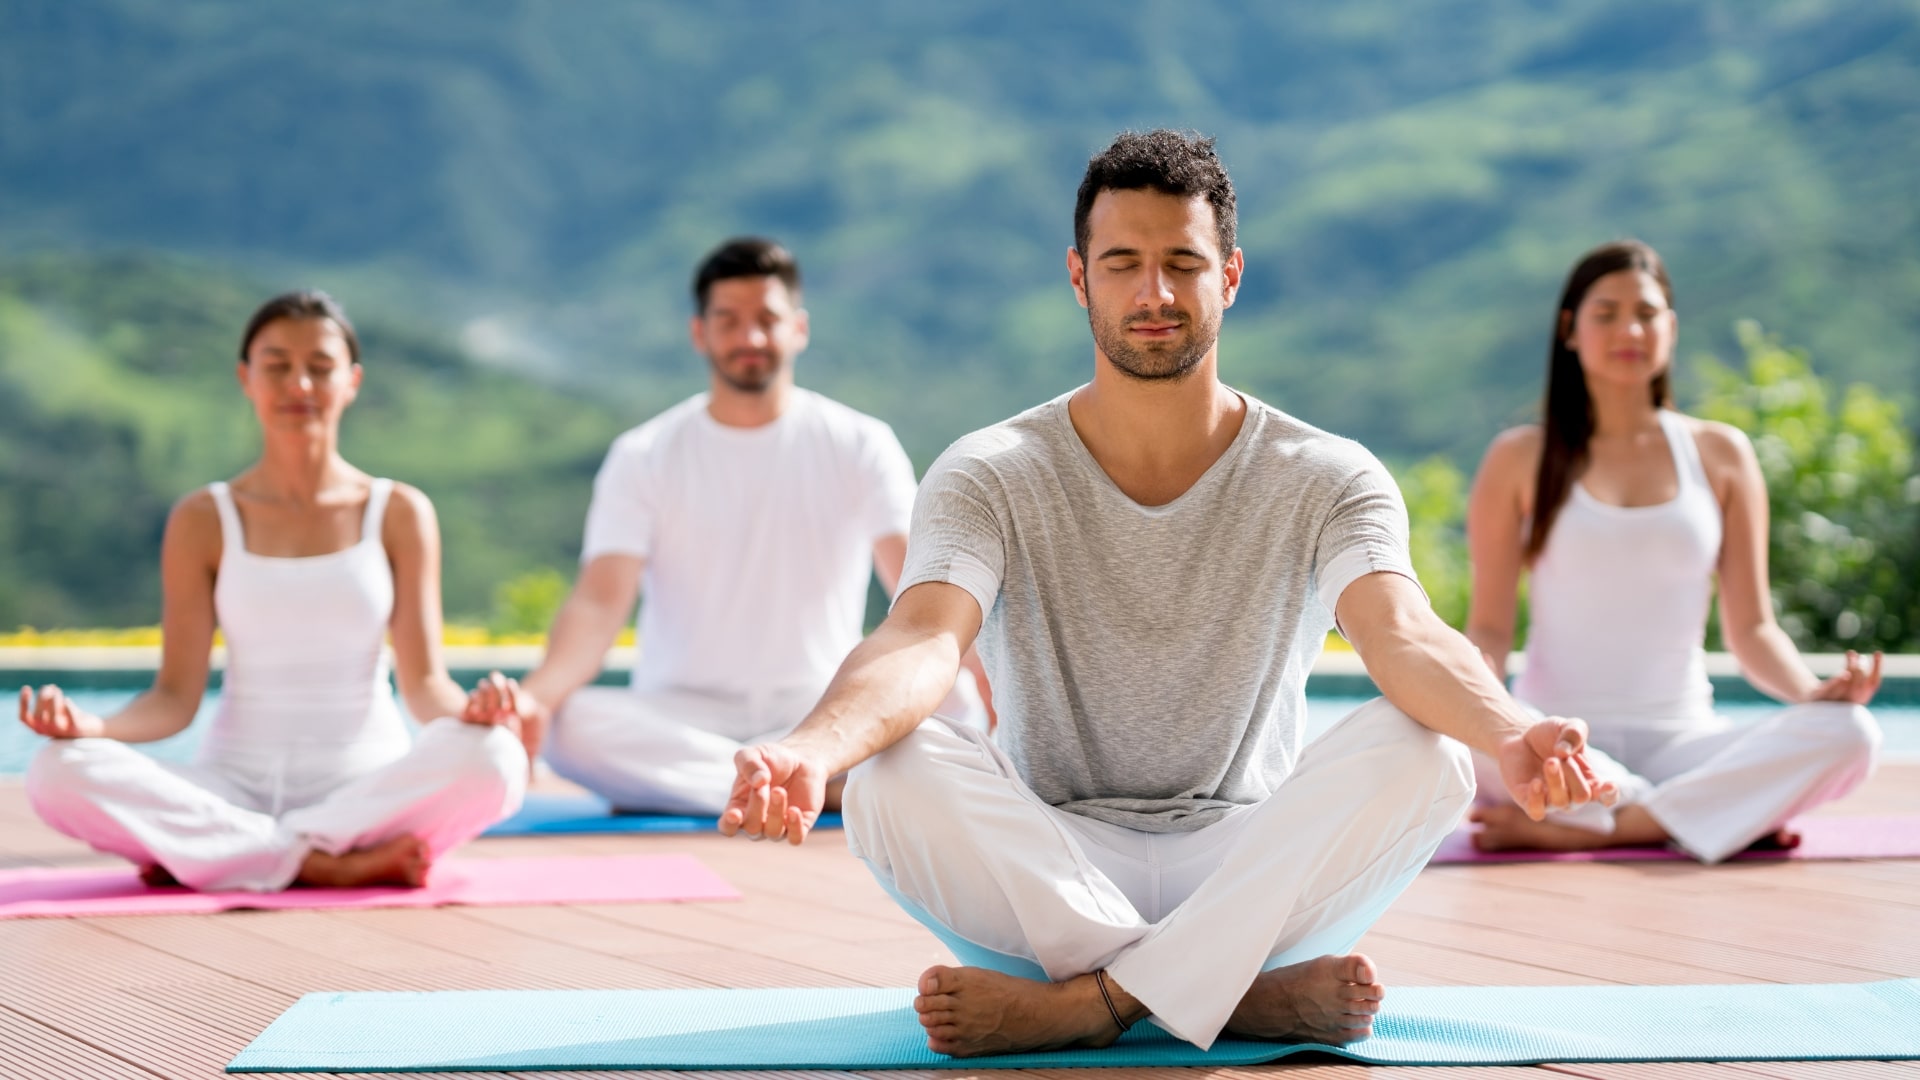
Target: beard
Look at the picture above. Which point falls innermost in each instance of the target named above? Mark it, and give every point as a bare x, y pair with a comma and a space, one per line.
1160, 361
748, 380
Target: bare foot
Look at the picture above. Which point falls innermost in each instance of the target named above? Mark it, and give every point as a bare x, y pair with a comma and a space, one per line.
157, 877
1779, 840
1508, 828
1331, 1001
972, 1011
402, 860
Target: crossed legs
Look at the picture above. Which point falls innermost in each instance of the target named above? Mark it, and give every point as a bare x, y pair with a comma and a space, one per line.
1257, 944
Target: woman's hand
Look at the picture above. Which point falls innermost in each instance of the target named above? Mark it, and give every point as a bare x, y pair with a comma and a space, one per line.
1855, 684
499, 700
50, 713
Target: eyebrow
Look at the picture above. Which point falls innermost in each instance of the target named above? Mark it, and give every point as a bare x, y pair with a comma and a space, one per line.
1181, 252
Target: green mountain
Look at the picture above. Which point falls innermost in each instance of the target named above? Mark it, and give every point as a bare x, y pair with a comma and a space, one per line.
514, 193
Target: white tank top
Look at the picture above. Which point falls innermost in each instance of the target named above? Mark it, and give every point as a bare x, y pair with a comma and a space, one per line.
307, 701
1619, 602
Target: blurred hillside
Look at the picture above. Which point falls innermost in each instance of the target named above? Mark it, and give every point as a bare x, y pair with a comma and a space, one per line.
511, 196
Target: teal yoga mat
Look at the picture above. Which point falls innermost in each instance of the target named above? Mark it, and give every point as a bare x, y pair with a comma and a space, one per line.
521, 1030
543, 815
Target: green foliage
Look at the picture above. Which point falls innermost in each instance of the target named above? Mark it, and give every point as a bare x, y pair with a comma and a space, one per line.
526, 605
1436, 495
1844, 547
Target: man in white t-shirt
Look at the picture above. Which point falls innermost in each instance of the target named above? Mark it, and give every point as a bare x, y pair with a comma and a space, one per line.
1150, 565
753, 515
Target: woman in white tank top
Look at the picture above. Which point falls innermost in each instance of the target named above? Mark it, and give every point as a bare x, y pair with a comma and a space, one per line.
307, 774
1626, 513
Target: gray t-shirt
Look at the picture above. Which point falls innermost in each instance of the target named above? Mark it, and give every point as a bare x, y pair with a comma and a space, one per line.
1149, 663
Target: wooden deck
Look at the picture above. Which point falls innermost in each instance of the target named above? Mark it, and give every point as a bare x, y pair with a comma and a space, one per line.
178, 996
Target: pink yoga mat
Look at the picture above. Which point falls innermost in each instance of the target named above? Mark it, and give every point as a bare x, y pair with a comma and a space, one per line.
572, 879
1820, 838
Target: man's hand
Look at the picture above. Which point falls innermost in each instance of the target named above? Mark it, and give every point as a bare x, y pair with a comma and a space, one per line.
49, 713
1855, 685
1545, 768
498, 700
777, 795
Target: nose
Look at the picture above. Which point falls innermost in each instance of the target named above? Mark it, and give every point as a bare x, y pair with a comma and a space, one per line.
1156, 288
757, 337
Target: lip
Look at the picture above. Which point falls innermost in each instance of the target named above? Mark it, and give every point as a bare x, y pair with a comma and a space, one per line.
1630, 355
1154, 329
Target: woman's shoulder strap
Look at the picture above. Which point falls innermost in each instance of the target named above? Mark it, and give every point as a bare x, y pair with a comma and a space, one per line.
377, 498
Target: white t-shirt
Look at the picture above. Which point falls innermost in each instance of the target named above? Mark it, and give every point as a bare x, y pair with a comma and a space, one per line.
758, 541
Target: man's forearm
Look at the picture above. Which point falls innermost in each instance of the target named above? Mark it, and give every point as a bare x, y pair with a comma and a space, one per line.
576, 649
1437, 676
889, 683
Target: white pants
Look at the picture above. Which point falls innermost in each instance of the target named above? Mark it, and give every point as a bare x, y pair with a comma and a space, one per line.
671, 751
1717, 788
1183, 921
215, 828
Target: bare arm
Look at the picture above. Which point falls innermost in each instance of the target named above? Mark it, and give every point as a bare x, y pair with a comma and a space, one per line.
189, 557
1766, 654
889, 561
411, 534
1437, 677
594, 613
889, 683
1496, 509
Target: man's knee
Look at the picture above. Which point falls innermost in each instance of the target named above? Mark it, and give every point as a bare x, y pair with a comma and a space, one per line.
910, 784
1410, 748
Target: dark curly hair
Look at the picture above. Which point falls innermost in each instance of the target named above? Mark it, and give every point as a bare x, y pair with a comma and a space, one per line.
1170, 162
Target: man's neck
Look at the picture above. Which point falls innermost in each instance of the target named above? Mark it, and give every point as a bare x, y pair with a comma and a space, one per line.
1155, 438
731, 406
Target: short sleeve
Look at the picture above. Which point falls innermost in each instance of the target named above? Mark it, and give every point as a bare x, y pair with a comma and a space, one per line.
1366, 533
956, 537
889, 484
620, 518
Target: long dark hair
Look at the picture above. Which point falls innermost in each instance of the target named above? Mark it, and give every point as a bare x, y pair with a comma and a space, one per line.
1567, 410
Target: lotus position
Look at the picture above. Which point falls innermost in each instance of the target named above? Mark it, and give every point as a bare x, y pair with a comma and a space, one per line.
1625, 513
754, 515
307, 775
1151, 564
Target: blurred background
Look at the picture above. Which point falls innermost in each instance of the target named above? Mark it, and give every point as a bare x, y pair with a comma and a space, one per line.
509, 197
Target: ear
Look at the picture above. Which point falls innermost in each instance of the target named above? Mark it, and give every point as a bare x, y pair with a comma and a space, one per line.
240, 370
1230, 272
1077, 275
803, 327
697, 333
1566, 329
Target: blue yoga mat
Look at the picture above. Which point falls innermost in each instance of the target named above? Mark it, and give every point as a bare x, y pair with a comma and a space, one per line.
557, 814
502, 1030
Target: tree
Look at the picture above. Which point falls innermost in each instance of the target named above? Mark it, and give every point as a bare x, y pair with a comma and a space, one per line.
1844, 547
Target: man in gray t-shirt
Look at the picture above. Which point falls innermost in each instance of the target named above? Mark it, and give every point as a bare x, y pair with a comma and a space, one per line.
1150, 565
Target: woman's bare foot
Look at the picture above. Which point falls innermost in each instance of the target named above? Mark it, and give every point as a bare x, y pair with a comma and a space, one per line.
1331, 1001
1508, 828
1783, 839
972, 1011
402, 860
157, 877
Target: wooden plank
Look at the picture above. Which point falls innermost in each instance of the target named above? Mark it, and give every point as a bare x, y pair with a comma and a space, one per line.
33, 1051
